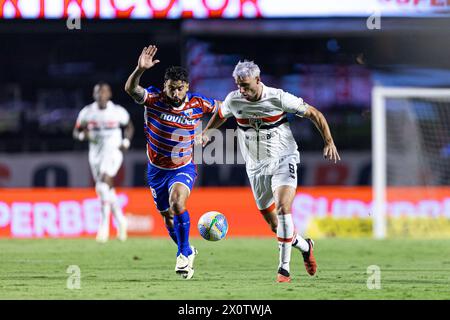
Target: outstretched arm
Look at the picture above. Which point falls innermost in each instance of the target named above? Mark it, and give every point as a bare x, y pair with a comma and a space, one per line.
145, 62
329, 151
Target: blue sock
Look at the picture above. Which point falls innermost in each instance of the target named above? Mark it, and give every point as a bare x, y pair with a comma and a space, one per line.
172, 233
182, 225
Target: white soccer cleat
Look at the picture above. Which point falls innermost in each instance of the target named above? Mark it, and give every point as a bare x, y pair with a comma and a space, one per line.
122, 232
182, 264
102, 234
183, 267
191, 259
192, 256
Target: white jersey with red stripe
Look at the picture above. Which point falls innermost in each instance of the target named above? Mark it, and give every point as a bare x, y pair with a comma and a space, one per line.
104, 127
264, 133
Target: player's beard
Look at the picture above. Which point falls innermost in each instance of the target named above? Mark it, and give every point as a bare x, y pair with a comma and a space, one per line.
176, 102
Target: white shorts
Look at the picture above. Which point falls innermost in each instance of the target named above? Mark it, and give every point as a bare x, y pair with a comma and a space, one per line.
108, 163
270, 175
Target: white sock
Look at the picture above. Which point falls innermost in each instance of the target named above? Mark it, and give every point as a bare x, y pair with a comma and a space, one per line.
106, 212
116, 209
300, 243
102, 189
285, 233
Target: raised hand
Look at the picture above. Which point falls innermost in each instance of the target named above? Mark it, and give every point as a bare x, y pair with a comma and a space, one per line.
146, 58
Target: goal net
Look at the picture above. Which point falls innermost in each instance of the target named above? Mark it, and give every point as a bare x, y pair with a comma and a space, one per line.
411, 162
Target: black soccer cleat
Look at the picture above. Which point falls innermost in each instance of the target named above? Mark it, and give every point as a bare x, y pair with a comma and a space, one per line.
309, 260
283, 275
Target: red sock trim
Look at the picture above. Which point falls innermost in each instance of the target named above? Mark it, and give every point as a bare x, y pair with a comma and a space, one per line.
268, 210
286, 240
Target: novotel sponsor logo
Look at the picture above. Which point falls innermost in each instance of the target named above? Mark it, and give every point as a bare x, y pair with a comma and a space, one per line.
177, 119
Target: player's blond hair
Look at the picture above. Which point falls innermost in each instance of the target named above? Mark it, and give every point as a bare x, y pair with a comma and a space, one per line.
246, 69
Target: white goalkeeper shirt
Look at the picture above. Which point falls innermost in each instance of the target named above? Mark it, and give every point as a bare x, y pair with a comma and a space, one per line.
104, 127
264, 133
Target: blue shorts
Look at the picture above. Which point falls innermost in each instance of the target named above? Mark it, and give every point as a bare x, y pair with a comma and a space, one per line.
161, 181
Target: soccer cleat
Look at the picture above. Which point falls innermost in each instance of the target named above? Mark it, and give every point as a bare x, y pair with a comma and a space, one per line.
102, 234
122, 230
191, 259
283, 275
183, 268
309, 260
192, 256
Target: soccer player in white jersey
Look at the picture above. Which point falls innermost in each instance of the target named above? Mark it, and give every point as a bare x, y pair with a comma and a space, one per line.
271, 154
101, 124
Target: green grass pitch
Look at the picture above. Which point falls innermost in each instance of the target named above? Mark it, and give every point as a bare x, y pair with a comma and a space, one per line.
234, 268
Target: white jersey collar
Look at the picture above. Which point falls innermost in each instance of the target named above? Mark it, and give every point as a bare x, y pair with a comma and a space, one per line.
264, 91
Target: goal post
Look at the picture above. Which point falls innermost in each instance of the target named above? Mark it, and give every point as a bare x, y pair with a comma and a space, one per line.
404, 121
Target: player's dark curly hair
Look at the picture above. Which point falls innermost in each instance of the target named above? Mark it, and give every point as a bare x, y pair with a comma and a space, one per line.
176, 73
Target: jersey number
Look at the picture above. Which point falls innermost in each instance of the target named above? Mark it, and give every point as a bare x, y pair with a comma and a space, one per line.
291, 168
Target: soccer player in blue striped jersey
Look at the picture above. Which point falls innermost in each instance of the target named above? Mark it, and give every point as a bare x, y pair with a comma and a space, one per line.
171, 118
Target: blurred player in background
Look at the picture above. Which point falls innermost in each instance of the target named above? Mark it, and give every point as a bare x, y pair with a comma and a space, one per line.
101, 124
171, 117
271, 154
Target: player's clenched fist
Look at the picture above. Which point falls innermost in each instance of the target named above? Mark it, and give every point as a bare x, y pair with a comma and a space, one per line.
146, 58
202, 139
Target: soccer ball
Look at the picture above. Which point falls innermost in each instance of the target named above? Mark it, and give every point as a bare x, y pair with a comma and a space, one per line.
213, 226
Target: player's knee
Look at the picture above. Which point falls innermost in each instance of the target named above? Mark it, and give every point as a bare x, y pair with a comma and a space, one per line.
177, 206
102, 190
283, 210
177, 203
107, 179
